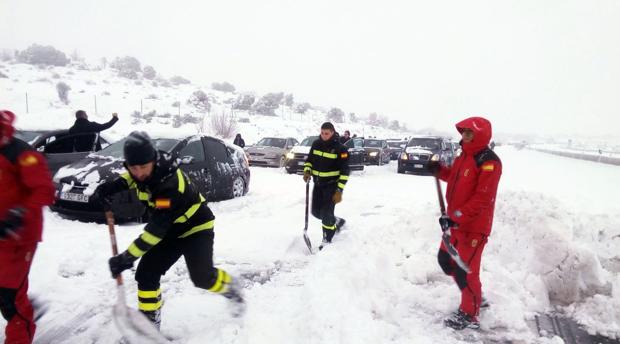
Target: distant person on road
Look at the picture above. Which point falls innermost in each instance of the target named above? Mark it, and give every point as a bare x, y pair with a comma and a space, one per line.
84, 143
472, 186
239, 141
346, 137
27, 187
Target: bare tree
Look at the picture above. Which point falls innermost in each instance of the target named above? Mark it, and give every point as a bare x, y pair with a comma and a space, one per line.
222, 124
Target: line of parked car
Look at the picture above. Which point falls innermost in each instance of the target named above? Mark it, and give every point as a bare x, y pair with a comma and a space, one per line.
413, 154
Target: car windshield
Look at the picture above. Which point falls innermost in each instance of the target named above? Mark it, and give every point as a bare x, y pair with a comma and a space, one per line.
308, 141
372, 143
394, 144
271, 142
115, 150
430, 144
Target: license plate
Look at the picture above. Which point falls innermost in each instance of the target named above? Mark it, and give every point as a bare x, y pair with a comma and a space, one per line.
418, 166
300, 163
75, 197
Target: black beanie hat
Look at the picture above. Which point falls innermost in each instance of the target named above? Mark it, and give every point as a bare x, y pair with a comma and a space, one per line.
138, 149
328, 126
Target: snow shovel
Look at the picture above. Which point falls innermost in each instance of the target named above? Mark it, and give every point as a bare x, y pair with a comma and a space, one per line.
306, 238
445, 237
132, 324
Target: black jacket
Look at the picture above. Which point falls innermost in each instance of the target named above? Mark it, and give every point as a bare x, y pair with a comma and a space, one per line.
84, 143
329, 163
177, 207
239, 142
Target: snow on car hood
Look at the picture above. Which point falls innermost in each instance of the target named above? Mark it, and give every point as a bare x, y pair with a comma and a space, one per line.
417, 150
90, 172
301, 149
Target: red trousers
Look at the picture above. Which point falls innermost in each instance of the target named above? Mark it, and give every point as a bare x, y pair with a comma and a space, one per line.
470, 247
15, 261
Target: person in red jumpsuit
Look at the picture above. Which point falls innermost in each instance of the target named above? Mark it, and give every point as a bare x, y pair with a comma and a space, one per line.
470, 194
26, 187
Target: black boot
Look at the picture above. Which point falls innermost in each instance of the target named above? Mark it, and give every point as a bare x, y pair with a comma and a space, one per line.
235, 295
460, 320
154, 317
339, 223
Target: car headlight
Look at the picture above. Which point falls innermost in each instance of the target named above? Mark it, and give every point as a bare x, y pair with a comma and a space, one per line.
404, 156
373, 153
435, 157
290, 155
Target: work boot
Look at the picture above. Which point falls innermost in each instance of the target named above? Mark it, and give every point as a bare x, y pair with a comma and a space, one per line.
459, 320
339, 223
235, 295
154, 317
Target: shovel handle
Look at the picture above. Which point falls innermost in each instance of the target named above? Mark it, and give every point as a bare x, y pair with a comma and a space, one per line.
109, 216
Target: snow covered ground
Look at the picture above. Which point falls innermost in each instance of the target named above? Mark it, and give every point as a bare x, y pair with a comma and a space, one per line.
555, 244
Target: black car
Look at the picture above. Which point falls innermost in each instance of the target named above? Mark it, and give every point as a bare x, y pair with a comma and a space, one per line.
296, 158
220, 171
396, 147
58, 145
377, 152
420, 150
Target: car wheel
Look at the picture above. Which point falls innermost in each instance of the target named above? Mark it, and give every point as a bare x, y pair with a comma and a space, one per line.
238, 187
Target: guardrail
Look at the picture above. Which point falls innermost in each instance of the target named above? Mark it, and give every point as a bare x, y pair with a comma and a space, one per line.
590, 157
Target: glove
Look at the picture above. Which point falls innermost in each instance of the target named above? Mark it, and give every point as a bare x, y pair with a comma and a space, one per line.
446, 223
433, 167
103, 197
12, 223
337, 197
120, 263
307, 175
115, 115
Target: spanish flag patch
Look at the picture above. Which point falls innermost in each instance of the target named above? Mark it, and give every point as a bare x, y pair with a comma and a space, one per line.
488, 167
28, 160
162, 203
344, 155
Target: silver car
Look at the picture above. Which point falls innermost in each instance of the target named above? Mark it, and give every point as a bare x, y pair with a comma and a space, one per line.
270, 151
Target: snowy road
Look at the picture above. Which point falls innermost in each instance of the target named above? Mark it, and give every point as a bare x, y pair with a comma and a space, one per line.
553, 243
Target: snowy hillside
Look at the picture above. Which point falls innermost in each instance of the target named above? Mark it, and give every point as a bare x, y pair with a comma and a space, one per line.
36, 87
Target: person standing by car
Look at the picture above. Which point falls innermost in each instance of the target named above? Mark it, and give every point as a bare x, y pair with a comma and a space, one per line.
472, 187
181, 224
346, 137
239, 141
84, 143
26, 187
328, 163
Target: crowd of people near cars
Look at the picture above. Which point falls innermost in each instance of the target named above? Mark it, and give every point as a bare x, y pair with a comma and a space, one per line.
155, 174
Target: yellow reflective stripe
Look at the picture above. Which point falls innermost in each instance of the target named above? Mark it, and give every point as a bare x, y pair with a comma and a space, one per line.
135, 251
149, 306
333, 228
188, 214
307, 169
325, 154
343, 177
308, 164
340, 185
150, 238
202, 227
130, 181
223, 279
181, 181
326, 174
149, 294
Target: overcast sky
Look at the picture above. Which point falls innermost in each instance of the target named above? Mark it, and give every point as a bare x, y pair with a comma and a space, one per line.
530, 66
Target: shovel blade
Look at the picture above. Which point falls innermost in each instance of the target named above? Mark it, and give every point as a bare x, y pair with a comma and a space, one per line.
307, 240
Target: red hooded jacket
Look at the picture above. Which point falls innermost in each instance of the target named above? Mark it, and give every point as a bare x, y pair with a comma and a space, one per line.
473, 180
25, 181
